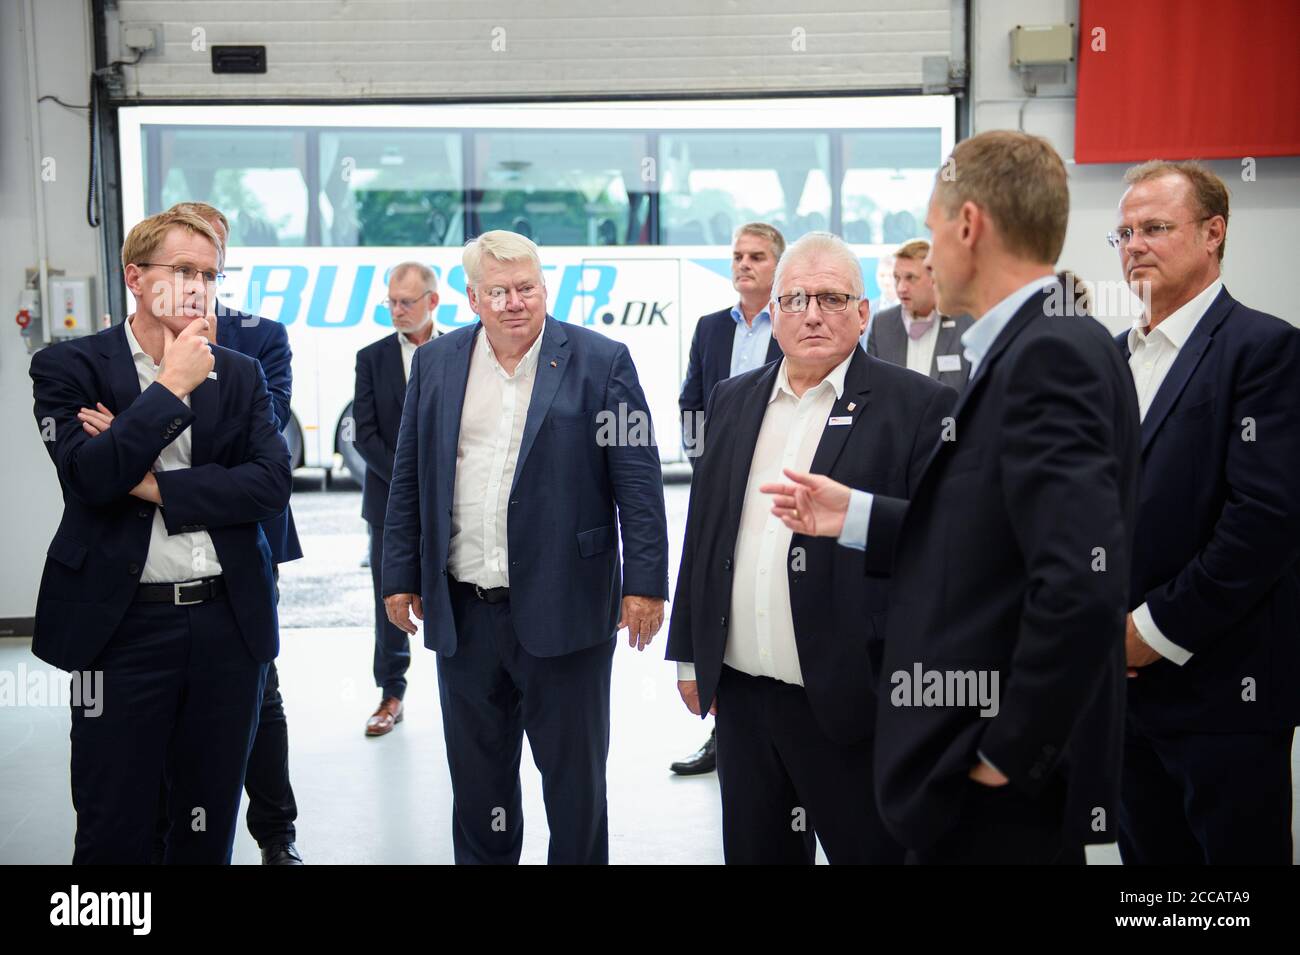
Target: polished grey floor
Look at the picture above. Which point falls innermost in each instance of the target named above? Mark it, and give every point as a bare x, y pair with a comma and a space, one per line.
387, 800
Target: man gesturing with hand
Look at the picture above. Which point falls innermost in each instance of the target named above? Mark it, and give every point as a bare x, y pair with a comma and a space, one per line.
159, 578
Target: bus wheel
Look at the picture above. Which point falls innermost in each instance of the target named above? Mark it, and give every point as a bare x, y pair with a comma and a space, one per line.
293, 438
352, 460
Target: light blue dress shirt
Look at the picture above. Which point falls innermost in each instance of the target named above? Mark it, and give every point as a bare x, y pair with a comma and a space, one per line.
749, 345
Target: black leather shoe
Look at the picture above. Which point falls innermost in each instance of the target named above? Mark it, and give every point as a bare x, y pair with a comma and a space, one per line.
283, 853
703, 760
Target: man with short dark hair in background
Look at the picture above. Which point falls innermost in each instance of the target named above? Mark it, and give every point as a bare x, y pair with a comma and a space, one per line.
1213, 638
383, 368
913, 333
730, 342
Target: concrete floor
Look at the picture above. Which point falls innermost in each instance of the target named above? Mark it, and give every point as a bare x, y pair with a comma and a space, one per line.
388, 800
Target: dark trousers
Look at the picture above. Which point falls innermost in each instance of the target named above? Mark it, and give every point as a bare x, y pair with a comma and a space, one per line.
1000, 825
392, 646
180, 702
493, 691
1206, 799
785, 783
271, 806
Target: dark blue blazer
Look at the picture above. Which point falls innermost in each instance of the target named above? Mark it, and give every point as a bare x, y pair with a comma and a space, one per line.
1217, 551
839, 622
377, 414
268, 342
1013, 557
240, 476
710, 360
572, 493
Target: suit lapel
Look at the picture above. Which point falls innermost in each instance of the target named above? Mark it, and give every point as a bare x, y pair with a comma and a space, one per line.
1033, 308
744, 438
725, 337
552, 363
948, 343
895, 350
122, 376
774, 352
857, 387
1180, 373
205, 402
394, 371
451, 403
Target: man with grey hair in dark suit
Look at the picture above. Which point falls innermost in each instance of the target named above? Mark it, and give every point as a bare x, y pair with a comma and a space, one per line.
913, 333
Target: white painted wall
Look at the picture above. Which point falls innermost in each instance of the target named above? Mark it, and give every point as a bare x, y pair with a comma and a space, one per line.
1260, 257
31, 504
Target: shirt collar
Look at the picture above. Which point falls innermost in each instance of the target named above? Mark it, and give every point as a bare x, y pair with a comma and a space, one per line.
835, 378
526, 365
134, 343
739, 315
407, 343
1180, 324
909, 319
980, 336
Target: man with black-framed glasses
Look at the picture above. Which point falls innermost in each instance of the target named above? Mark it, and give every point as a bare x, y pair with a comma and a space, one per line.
778, 634
1211, 642
383, 369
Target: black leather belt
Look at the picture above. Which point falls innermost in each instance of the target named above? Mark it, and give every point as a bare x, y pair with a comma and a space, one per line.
491, 595
182, 594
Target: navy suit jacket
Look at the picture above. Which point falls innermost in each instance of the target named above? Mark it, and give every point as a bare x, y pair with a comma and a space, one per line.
1217, 550
268, 342
1012, 557
377, 413
710, 362
839, 623
572, 492
239, 476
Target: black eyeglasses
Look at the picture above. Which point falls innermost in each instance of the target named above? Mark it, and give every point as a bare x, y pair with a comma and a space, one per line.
187, 273
828, 301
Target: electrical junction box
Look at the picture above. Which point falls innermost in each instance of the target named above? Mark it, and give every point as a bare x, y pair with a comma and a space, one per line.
1042, 46
70, 308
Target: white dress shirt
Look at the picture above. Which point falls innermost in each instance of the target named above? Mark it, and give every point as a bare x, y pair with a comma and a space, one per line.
761, 640
920, 351
1151, 355
408, 350
172, 558
491, 430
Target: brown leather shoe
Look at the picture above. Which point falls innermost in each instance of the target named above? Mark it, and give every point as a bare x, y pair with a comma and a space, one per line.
385, 718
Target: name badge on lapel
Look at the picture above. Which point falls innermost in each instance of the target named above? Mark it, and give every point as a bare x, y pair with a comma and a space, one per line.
840, 420
949, 362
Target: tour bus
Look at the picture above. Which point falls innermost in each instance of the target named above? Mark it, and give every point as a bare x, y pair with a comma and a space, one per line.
633, 205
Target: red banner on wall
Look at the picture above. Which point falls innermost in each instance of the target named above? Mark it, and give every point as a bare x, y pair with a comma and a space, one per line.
1187, 79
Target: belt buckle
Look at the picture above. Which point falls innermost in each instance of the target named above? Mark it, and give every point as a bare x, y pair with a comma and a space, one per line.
176, 595
479, 593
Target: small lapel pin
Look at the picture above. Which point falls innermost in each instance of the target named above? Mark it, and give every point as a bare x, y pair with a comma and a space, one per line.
555, 364
852, 405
